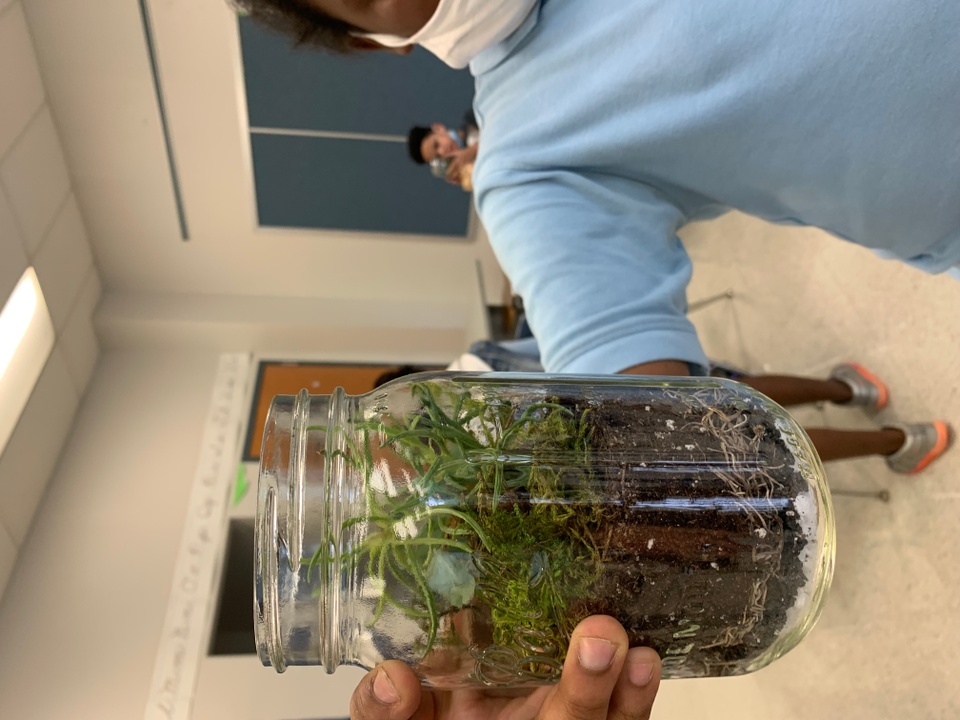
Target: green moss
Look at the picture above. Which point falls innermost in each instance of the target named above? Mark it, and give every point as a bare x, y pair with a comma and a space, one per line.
539, 566
499, 510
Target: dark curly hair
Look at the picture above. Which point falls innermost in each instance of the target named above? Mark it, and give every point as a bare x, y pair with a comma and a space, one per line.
415, 139
297, 19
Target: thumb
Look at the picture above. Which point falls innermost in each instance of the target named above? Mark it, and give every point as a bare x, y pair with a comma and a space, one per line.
391, 691
598, 648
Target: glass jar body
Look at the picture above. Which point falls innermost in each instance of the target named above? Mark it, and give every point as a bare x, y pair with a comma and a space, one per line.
465, 523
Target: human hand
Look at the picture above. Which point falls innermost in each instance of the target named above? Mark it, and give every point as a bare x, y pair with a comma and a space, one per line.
601, 680
461, 161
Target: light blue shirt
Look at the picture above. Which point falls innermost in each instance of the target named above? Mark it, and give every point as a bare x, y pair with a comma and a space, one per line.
609, 124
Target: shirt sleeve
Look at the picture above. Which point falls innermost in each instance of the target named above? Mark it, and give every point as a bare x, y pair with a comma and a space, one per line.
598, 264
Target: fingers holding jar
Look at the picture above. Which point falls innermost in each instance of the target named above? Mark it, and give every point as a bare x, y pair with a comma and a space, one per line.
602, 678
390, 691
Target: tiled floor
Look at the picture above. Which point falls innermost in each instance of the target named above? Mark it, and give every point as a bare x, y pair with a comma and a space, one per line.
888, 644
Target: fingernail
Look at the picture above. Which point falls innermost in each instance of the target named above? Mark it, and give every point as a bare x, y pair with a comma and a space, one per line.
595, 654
639, 667
383, 688
640, 673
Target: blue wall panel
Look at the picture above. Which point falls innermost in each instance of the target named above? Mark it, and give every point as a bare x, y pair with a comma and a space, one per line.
341, 184
335, 183
376, 93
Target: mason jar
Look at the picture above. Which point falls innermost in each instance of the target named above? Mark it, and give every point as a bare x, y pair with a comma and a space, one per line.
439, 166
465, 523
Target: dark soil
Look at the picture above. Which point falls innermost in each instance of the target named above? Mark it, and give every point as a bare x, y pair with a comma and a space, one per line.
699, 538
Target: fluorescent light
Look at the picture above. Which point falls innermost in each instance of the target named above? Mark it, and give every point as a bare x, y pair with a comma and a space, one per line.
26, 339
16, 317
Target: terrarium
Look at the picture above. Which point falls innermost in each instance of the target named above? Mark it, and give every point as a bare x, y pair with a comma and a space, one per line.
465, 523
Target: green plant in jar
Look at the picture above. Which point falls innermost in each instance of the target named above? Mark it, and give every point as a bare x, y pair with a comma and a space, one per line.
479, 519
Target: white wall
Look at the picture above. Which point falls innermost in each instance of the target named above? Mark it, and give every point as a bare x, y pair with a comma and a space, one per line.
326, 329
84, 610
40, 225
240, 688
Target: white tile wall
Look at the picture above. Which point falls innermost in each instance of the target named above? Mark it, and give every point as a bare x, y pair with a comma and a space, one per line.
8, 557
21, 91
78, 341
40, 225
13, 258
35, 179
33, 450
63, 261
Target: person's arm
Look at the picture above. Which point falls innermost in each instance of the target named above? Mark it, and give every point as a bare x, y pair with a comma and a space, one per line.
462, 159
599, 266
659, 367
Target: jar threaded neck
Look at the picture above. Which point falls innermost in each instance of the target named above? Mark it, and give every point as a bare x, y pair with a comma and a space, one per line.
316, 425
334, 474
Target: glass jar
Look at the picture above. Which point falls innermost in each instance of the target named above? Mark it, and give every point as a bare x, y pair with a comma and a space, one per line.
465, 523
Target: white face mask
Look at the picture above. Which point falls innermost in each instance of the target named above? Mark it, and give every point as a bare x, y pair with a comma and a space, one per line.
460, 29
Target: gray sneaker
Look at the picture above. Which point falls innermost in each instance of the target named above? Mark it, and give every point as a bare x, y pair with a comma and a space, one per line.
868, 390
925, 443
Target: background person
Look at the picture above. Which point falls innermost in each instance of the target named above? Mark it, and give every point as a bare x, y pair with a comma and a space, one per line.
424, 144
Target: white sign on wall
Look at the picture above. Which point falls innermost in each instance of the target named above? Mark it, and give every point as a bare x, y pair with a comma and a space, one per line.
192, 598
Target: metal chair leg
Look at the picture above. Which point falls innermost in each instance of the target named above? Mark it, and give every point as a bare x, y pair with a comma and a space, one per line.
881, 495
726, 295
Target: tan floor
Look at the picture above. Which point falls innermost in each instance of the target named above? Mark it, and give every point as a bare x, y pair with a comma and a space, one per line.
888, 644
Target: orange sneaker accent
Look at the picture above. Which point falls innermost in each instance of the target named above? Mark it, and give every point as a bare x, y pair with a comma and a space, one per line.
944, 438
884, 396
